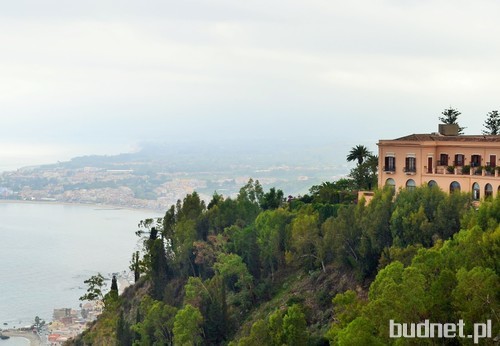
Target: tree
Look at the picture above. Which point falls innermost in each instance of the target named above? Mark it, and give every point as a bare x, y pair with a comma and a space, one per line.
39, 323
272, 199
233, 271
271, 228
365, 174
492, 124
295, 326
259, 335
157, 325
358, 153
187, 326
94, 291
135, 266
112, 295
476, 296
306, 239
450, 116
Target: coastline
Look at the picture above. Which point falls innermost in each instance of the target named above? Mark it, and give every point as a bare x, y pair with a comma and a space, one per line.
40, 242
91, 205
33, 338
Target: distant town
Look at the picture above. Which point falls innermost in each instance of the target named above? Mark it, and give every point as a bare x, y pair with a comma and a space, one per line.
138, 181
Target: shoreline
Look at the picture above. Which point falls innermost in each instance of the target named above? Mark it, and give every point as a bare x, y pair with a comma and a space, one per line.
92, 205
33, 339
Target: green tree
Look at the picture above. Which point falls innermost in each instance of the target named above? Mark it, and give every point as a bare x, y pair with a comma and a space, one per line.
259, 335
124, 334
365, 175
233, 271
476, 297
94, 290
376, 234
136, 266
272, 199
157, 325
112, 295
187, 327
307, 241
344, 235
358, 153
450, 117
244, 242
159, 266
275, 324
295, 326
359, 332
248, 202
492, 124
215, 312
272, 238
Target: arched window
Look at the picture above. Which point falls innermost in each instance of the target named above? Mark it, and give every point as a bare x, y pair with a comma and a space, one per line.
432, 183
454, 186
476, 191
488, 190
390, 182
410, 184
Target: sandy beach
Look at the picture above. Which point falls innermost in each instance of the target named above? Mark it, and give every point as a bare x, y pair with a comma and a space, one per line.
33, 338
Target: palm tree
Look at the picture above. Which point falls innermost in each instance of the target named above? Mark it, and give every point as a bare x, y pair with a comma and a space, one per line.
358, 153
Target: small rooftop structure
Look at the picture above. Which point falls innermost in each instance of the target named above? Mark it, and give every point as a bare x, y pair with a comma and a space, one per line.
448, 129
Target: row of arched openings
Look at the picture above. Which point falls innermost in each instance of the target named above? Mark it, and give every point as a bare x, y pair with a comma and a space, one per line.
454, 187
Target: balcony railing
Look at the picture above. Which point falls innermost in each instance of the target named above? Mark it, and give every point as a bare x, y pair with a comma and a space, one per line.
410, 169
389, 168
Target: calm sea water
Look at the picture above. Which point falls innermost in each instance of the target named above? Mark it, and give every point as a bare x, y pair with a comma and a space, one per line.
48, 250
15, 342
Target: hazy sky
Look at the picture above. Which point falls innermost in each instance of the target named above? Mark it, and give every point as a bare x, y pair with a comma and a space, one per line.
82, 77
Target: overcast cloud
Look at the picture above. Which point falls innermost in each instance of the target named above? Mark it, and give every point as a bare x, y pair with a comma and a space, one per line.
85, 77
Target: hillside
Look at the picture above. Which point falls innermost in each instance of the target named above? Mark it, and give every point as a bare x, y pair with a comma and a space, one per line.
318, 270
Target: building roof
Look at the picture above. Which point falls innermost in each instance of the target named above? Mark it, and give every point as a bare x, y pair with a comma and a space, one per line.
440, 138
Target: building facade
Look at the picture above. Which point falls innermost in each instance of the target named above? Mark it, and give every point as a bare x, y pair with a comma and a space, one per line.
451, 161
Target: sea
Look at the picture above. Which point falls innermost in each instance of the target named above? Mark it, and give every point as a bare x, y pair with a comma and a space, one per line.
15, 342
48, 250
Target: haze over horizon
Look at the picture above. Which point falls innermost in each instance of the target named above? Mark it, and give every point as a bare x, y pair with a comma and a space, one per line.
102, 77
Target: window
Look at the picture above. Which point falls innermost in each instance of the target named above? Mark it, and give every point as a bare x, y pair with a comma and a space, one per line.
390, 182
454, 186
488, 190
476, 191
411, 165
410, 184
390, 164
459, 160
493, 161
443, 160
475, 160
432, 183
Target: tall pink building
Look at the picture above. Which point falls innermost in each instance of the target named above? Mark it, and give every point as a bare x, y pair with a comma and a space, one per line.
446, 159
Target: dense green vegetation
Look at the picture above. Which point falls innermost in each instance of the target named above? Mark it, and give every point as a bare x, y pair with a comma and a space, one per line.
321, 269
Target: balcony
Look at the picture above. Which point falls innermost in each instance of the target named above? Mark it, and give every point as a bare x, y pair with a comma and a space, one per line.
390, 169
410, 170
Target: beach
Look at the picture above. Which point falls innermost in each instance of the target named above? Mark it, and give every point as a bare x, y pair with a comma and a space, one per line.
33, 338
